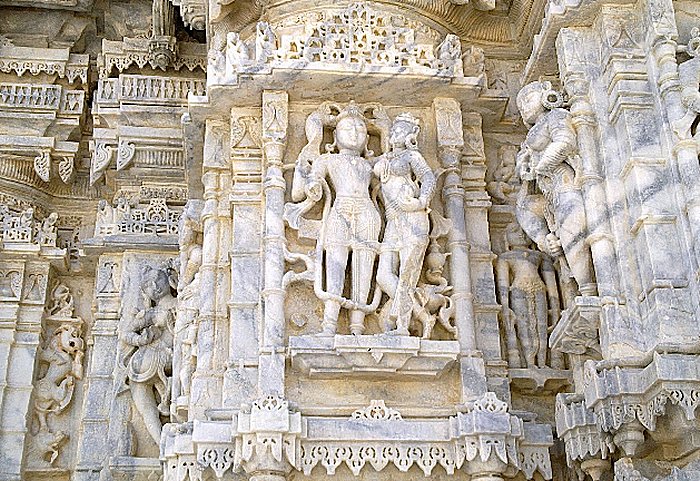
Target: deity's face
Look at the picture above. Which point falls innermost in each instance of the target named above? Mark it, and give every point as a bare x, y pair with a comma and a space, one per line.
530, 104
399, 132
351, 134
155, 284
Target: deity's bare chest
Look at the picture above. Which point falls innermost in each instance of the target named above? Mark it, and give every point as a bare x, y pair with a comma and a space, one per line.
350, 171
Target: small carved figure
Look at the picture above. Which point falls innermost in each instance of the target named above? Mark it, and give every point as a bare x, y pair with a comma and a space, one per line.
122, 213
432, 294
351, 221
62, 303
236, 50
689, 76
503, 187
46, 236
190, 241
449, 49
104, 219
63, 358
550, 205
149, 339
525, 279
265, 42
408, 185
26, 217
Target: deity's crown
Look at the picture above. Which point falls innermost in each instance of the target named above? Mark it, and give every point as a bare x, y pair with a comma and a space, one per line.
351, 110
408, 118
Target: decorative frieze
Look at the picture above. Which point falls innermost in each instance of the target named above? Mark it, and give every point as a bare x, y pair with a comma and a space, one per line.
153, 219
357, 38
120, 55
147, 89
51, 61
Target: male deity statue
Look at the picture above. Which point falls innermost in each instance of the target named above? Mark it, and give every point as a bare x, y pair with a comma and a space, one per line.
351, 220
550, 205
528, 292
407, 224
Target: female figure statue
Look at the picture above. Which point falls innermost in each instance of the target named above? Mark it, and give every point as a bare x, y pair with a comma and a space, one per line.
148, 360
550, 205
408, 185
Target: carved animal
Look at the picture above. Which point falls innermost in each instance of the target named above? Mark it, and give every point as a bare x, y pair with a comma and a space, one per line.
64, 356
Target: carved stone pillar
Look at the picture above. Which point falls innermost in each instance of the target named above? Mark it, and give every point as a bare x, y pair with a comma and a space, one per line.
659, 284
21, 307
214, 274
613, 334
241, 377
662, 36
274, 136
481, 258
448, 116
93, 442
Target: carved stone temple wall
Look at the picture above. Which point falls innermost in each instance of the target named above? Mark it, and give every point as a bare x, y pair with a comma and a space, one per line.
388, 240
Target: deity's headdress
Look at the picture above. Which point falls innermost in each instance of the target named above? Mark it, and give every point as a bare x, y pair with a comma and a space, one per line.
350, 110
411, 138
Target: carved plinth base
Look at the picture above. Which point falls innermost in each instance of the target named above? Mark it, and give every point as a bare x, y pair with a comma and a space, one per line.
577, 331
324, 357
541, 380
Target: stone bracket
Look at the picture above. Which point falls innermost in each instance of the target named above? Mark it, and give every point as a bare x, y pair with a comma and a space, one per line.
577, 330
